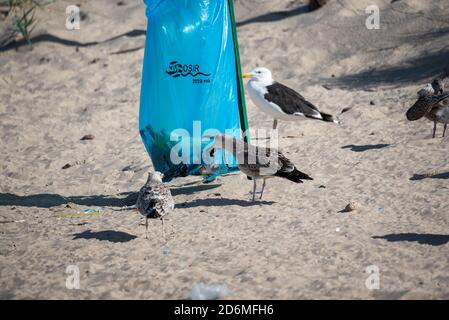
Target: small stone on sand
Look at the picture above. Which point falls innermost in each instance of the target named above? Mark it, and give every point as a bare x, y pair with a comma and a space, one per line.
345, 110
88, 137
351, 206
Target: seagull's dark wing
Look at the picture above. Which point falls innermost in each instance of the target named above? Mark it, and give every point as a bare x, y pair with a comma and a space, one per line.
285, 164
424, 105
289, 171
290, 101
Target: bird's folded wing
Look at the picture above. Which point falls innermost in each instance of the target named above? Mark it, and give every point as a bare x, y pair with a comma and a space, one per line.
161, 198
290, 101
420, 108
285, 165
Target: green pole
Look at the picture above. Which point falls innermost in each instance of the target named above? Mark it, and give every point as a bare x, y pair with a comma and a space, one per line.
241, 91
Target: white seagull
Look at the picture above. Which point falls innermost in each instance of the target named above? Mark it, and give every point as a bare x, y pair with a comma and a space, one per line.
279, 101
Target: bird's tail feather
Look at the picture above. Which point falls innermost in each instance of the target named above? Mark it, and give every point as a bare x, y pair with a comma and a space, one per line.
324, 117
329, 118
294, 175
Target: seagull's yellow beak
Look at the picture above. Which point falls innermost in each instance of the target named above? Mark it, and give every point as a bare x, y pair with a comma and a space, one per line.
247, 75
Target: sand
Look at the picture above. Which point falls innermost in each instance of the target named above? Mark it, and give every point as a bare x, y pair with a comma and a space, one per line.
295, 244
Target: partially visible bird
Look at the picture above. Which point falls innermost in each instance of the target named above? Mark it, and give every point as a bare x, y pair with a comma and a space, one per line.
279, 101
434, 88
155, 200
433, 103
427, 90
257, 162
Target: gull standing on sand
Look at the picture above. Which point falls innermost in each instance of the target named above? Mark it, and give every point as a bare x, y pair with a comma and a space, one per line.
280, 101
257, 162
433, 103
154, 200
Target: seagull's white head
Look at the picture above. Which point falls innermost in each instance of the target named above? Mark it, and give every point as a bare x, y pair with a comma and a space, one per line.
428, 90
155, 176
259, 74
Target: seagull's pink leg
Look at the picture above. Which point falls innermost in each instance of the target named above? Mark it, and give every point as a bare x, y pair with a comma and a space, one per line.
263, 187
254, 190
146, 227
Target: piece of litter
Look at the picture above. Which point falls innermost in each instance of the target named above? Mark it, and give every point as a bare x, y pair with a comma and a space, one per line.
351, 206
345, 110
202, 291
85, 213
165, 251
88, 137
12, 221
337, 229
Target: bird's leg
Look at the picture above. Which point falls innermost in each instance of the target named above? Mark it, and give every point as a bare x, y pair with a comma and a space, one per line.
163, 228
434, 129
444, 131
254, 189
263, 187
146, 227
275, 125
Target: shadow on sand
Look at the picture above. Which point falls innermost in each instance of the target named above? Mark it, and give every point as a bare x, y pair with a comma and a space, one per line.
417, 177
421, 238
48, 200
412, 70
188, 190
366, 147
275, 16
46, 37
106, 235
221, 202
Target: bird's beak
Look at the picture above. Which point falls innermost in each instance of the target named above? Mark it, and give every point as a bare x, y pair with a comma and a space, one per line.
247, 75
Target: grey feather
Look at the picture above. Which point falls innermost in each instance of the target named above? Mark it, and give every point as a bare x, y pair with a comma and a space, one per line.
155, 199
260, 163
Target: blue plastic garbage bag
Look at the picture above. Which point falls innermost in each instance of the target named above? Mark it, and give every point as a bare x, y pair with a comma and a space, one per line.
191, 83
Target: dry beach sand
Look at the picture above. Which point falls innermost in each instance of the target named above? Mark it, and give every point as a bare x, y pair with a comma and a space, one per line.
294, 244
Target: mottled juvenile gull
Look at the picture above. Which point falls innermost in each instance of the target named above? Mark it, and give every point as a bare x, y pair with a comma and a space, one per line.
154, 200
428, 90
257, 162
280, 101
433, 103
